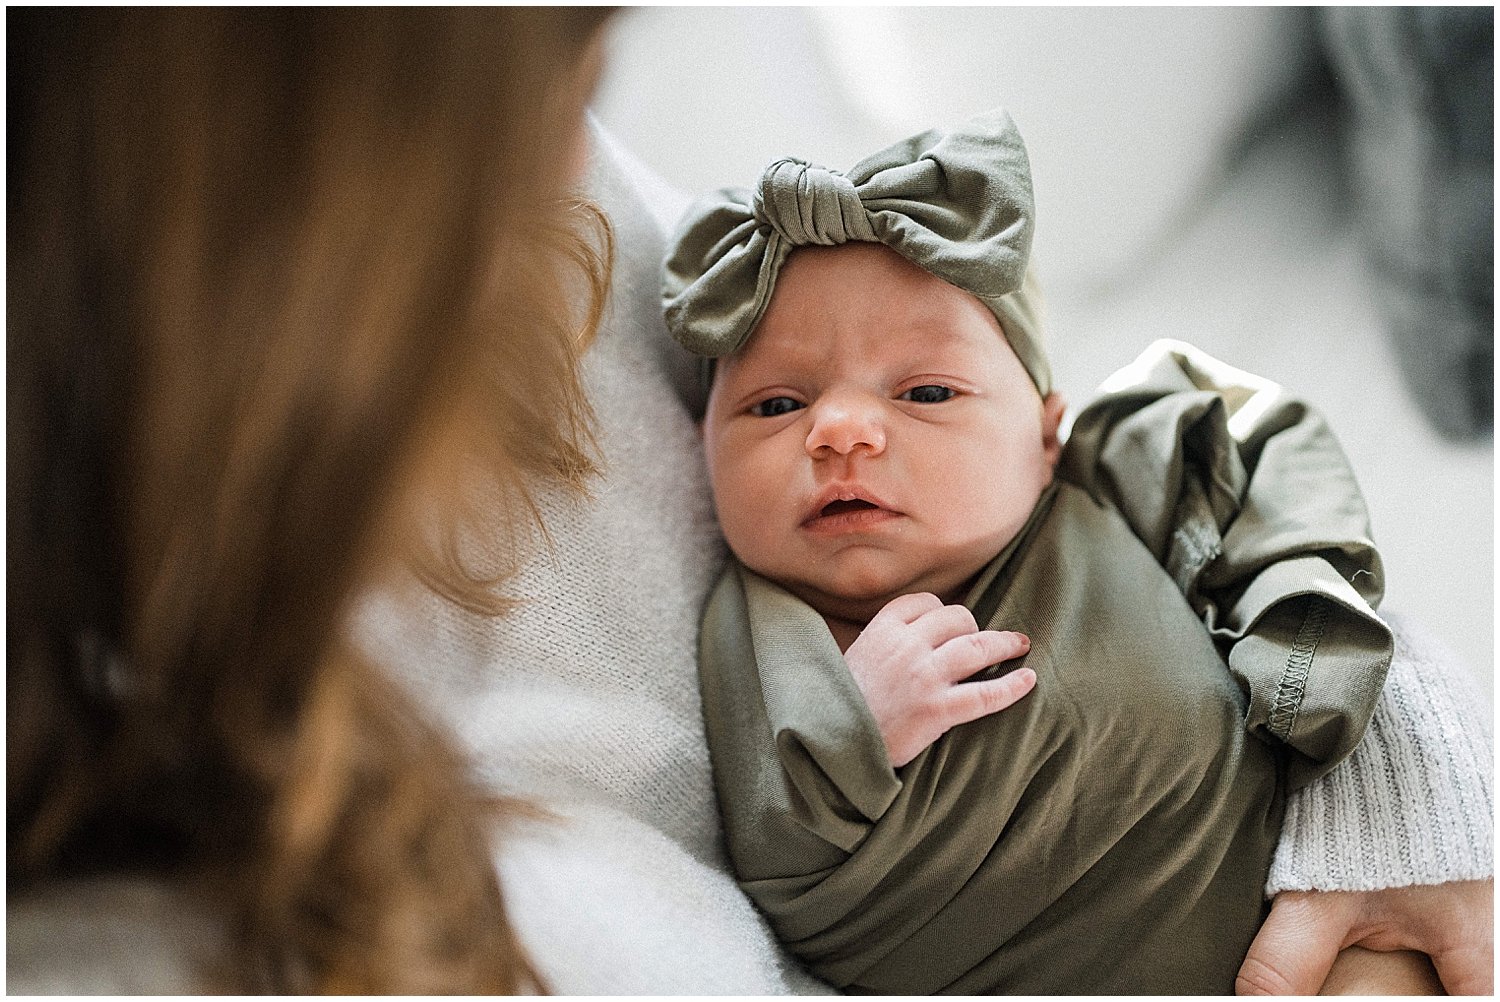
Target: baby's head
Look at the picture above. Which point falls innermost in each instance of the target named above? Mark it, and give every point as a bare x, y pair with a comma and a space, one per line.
876, 436
879, 421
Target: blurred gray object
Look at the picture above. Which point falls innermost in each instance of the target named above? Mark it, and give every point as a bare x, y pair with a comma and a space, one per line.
1419, 87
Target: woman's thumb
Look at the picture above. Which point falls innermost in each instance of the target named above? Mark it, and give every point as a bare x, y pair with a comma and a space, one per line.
1294, 950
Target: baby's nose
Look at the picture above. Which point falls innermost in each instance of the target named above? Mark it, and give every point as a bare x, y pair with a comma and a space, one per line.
842, 426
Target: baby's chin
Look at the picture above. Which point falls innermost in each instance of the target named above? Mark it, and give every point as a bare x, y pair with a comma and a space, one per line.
856, 598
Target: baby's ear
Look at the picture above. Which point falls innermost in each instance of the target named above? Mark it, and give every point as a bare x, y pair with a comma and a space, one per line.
1052, 414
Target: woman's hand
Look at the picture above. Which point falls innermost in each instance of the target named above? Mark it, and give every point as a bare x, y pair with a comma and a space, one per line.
1452, 923
911, 662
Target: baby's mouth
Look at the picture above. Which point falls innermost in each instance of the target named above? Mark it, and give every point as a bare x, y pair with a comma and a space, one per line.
846, 511
841, 507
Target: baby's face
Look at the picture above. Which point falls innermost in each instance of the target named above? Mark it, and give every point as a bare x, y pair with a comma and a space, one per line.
876, 437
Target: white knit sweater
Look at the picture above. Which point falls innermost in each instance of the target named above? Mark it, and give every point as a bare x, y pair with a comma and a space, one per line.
1414, 803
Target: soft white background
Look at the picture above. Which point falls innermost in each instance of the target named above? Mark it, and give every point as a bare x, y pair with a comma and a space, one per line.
1155, 217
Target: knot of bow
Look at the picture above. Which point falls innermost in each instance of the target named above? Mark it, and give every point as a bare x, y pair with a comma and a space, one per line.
808, 204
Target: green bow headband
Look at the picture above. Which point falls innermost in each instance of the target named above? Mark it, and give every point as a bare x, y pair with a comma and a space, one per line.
957, 204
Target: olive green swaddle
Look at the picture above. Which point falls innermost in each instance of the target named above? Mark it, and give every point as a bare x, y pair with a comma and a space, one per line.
1110, 833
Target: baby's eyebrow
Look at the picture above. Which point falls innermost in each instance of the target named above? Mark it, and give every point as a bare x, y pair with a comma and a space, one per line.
940, 343
780, 360
939, 329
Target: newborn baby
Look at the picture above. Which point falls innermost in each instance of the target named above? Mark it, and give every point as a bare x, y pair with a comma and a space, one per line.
1187, 583
923, 451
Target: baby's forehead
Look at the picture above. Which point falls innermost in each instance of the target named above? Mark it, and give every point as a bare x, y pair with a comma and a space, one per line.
868, 297
852, 264
915, 332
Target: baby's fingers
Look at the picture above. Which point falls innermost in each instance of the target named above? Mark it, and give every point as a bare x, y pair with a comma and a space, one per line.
972, 700
964, 655
908, 608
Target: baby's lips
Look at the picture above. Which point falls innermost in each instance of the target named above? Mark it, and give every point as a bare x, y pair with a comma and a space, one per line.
842, 493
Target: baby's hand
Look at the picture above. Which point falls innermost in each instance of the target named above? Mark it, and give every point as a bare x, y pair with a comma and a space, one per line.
911, 662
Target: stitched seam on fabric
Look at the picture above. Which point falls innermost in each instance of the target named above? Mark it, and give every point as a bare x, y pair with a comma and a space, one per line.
1294, 675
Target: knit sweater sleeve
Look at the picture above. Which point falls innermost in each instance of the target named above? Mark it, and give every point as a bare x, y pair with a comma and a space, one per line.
1413, 804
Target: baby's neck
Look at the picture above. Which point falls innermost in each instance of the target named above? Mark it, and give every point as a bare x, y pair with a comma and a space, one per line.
846, 621
845, 631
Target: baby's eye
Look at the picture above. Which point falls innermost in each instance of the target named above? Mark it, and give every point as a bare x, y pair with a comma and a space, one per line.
775, 407
930, 393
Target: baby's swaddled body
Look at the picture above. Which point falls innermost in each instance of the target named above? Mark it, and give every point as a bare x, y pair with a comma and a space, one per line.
1109, 833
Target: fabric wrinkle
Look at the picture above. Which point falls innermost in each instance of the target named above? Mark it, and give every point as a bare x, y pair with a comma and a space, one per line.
808, 204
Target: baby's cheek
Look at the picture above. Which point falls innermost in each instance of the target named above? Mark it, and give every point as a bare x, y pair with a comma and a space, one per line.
741, 519
728, 505
992, 508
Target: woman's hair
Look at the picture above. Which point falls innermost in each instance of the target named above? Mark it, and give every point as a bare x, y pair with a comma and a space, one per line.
277, 279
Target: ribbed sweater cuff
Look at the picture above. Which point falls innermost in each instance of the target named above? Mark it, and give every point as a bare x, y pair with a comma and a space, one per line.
1414, 802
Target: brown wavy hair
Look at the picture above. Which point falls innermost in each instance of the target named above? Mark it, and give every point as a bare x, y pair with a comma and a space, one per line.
279, 284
